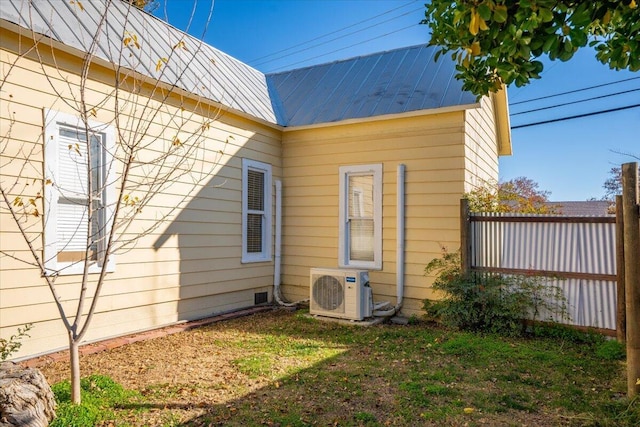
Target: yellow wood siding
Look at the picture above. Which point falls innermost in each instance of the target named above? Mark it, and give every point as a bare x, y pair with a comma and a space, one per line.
431, 147
187, 268
481, 145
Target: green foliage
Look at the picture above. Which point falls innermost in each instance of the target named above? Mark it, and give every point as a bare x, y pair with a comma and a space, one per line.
100, 394
13, 344
498, 42
568, 334
518, 195
488, 302
611, 350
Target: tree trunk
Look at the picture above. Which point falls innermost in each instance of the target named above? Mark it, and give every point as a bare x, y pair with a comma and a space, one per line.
26, 400
74, 360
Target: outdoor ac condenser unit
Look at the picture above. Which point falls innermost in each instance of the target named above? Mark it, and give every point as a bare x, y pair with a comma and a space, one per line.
341, 293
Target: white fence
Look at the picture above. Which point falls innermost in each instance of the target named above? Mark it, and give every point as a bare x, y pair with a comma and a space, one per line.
576, 254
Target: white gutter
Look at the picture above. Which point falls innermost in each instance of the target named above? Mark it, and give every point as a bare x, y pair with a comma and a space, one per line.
400, 243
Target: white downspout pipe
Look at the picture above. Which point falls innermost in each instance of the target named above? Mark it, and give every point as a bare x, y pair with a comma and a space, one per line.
400, 243
278, 250
400, 237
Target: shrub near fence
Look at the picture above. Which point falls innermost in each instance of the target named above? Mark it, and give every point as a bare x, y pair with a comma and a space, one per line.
574, 254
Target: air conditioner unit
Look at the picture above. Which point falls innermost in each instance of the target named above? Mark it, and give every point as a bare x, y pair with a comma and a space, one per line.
340, 293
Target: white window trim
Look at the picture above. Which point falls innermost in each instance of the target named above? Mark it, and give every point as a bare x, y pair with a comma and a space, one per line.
53, 120
343, 239
265, 255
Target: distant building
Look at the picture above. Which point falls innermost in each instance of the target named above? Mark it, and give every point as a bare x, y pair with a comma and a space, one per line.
587, 208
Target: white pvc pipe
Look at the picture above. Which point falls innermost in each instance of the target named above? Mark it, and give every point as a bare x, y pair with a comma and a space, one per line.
278, 250
400, 241
400, 236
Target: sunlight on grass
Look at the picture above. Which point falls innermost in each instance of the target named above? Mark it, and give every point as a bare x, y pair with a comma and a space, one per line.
283, 368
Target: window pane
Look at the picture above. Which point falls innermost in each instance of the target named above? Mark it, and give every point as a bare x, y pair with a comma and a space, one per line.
254, 233
255, 190
360, 196
361, 239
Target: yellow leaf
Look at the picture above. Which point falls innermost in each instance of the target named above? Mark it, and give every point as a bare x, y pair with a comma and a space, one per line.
606, 18
468, 410
474, 24
160, 63
483, 24
17, 201
48, 182
93, 112
638, 381
475, 49
633, 4
35, 213
176, 141
32, 202
180, 45
76, 2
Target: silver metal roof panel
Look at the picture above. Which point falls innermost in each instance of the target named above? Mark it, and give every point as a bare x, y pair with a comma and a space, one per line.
392, 82
200, 68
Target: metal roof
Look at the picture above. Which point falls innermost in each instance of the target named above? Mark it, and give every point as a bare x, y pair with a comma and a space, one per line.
397, 81
200, 69
392, 82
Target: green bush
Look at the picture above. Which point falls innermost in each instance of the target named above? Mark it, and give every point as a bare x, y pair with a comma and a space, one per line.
488, 302
13, 344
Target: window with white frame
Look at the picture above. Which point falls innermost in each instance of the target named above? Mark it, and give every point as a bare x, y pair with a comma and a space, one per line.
360, 240
76, 158
256, 211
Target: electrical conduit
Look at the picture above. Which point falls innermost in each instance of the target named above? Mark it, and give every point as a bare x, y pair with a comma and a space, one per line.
400, 241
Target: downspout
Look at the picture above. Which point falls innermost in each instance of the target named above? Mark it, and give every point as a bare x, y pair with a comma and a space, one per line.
400, 242
400, 237
278, 250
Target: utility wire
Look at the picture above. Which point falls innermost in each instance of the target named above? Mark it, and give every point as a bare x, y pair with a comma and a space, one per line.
573, 91
330, 33
575, 102
561, 119
335, 38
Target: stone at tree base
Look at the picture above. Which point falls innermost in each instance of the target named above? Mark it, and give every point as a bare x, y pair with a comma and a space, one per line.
26, 399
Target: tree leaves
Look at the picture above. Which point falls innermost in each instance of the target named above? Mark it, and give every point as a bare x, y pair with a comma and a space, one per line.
499, 42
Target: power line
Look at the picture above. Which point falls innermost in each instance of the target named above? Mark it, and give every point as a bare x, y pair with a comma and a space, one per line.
335, 38
575, 102
330, 33
573, 91
561, 119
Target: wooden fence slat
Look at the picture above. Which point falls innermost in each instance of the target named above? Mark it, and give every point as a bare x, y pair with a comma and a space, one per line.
621, 309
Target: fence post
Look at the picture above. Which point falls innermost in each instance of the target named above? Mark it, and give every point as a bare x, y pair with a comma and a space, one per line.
631, 215
621, 309
465, 237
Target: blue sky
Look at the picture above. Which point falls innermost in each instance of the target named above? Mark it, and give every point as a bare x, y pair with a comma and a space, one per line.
569, 158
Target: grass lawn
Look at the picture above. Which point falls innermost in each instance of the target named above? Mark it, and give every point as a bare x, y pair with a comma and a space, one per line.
286, 369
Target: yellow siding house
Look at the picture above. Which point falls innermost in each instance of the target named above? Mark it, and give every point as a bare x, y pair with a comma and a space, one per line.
356, 164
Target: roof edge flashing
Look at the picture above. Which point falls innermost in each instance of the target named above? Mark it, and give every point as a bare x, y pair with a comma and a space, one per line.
385, 117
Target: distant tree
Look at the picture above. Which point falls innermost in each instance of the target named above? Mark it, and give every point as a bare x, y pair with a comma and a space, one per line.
613, 184
498, 42
518, 195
